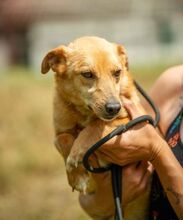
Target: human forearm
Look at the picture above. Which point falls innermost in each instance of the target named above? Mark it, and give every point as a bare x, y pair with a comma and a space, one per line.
171, 176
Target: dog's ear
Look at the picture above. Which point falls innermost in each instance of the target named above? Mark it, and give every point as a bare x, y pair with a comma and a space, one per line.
122, 53
56, 60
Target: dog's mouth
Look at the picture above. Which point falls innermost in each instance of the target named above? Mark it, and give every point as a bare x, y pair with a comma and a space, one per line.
108, 117
102, 114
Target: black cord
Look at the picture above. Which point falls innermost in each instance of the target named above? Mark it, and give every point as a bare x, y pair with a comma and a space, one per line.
116, 175
150, 101
117, 131
116, 170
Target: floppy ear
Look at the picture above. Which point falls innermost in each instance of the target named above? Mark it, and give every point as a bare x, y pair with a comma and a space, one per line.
56, 60
122, 52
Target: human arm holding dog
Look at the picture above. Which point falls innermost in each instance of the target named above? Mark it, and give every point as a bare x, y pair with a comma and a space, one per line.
134, 146
143, 142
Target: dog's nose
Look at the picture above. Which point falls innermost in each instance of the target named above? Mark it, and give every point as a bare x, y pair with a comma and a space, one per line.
112, 108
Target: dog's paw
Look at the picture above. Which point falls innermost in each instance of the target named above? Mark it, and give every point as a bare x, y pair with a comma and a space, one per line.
73, 162
81, 184
80, 180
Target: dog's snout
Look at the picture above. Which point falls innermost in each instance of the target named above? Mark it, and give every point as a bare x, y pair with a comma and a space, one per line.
112, 108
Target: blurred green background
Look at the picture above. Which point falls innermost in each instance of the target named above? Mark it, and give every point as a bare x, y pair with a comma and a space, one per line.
33, 184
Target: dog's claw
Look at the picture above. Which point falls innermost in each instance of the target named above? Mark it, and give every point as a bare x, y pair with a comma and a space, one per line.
85, 189
70, 164
79, 178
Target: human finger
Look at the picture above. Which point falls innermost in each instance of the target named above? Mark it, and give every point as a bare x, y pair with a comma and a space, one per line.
98, 177
137, 170
146, 179
131, 108
130, 168
142, 169
143, 164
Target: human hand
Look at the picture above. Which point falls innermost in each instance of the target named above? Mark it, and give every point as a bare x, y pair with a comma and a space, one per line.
135, 181
142, 142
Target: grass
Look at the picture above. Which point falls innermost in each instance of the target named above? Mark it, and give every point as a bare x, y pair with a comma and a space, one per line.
33, 183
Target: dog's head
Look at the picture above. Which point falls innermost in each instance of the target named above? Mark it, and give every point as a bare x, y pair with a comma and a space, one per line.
92, 74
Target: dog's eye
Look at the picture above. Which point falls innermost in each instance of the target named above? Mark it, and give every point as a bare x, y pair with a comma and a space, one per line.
117, 73
88, 74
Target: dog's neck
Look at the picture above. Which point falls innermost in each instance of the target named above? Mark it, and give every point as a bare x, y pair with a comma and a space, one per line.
87, 115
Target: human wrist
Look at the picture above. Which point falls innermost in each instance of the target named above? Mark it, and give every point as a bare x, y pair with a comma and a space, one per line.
159, 148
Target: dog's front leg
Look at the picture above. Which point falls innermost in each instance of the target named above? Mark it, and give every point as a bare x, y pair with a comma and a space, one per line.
82, 179
87, 137
78, 177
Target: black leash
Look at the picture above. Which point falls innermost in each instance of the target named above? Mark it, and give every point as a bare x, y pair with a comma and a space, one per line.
116, 170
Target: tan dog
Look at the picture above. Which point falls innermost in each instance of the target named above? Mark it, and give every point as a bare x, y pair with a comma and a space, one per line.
91, 80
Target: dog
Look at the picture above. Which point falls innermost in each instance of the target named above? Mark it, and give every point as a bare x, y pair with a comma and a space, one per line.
91, 78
